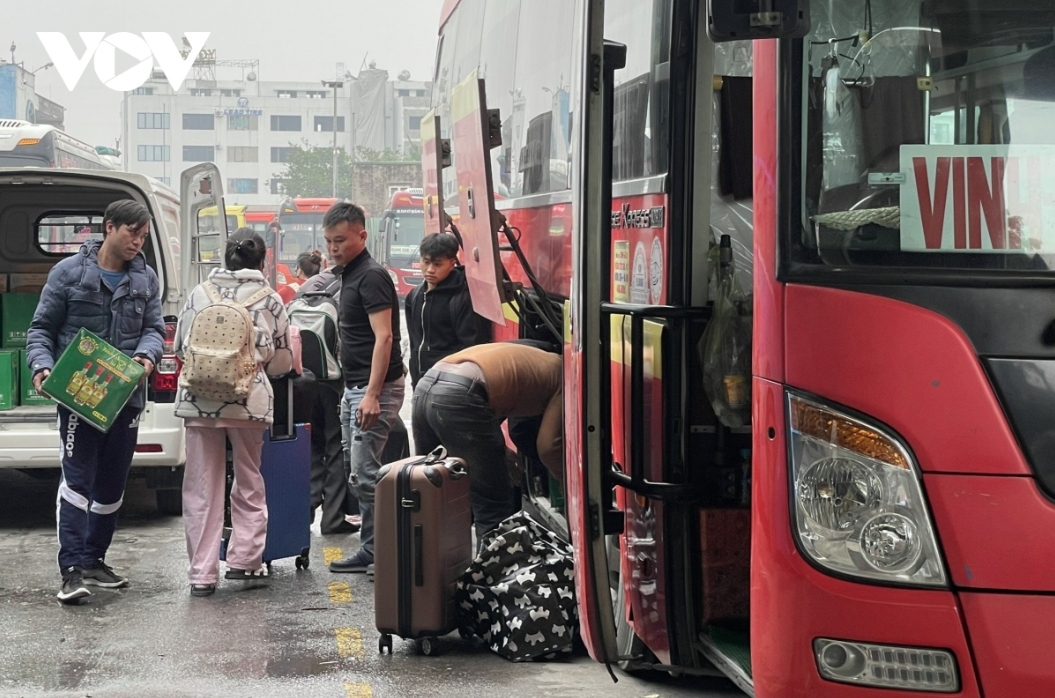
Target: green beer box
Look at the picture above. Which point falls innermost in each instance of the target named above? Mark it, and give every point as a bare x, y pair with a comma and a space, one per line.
17, 310
93, 380
28, 395
8, 380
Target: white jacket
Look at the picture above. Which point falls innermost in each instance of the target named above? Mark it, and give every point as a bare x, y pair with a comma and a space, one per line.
273, 353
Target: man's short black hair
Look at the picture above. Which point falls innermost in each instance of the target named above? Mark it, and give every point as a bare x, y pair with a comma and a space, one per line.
439, 246
125, 212
344, 212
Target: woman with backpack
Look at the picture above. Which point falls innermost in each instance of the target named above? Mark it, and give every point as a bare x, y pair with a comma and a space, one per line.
233, 333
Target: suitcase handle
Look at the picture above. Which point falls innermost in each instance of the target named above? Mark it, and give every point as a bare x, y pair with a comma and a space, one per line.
438, 454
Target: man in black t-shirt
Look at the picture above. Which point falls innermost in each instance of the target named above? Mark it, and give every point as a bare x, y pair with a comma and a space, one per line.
371, 362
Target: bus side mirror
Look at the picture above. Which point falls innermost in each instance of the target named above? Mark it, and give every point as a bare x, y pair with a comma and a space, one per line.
737, 20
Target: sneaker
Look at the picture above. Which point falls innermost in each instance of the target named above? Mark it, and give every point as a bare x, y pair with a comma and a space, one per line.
102, 575
354, 519
72, 586
260, 573
202, 589
358, 563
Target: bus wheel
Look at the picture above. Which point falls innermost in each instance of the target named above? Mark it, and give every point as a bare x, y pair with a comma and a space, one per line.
636, 657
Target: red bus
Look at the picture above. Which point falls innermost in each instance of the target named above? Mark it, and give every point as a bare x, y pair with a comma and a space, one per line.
402, 228
877, 527
301, 222
259, 220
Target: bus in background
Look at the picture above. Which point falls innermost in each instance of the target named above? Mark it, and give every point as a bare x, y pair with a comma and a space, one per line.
301, 222
259, 218
208, 221
23, 144
402, 228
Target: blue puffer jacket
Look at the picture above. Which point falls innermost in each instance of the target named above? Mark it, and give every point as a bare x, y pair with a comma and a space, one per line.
75, 296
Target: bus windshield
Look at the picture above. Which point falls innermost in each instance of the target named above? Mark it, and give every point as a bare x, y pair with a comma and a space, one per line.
926, 137
407, 231
301, 232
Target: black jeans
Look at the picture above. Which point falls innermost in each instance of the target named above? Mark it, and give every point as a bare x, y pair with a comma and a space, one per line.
329, 476
460, 417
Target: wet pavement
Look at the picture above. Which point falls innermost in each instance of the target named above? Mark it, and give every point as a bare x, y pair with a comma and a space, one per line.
310, 633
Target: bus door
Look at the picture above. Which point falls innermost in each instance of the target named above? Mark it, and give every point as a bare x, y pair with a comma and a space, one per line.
479, 222
435, 155
201, 245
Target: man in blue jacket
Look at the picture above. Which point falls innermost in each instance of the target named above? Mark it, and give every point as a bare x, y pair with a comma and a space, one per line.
108, 289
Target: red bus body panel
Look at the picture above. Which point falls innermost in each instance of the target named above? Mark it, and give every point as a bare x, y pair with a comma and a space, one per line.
792, 603
768, 345
996, 532
1012, 635
910, 368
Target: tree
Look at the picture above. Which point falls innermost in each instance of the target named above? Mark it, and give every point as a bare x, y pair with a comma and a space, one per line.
412, 154
309, 172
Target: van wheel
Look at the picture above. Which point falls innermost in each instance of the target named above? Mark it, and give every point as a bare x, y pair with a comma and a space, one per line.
170, 502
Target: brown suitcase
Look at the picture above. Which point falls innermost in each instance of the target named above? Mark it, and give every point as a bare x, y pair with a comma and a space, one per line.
422, 545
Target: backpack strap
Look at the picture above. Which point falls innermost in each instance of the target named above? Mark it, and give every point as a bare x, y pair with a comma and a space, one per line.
256, 297
213, 291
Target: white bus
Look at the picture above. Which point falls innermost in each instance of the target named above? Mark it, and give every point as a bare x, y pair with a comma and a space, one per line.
23, 144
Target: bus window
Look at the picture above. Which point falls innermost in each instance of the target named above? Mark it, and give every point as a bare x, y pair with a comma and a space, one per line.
541, 101
497, 63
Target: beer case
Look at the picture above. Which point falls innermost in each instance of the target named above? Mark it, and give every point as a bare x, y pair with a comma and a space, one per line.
17, 311
8, 380
27, 394
93, 379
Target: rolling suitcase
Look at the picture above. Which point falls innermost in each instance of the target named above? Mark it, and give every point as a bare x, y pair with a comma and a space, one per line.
423, 544
285, 465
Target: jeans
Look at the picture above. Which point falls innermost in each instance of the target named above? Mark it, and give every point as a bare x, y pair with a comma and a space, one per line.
461, 418
366, 449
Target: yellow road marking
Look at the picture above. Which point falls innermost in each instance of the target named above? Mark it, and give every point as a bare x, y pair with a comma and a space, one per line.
331, 554
349, 642
358, 690
340, 592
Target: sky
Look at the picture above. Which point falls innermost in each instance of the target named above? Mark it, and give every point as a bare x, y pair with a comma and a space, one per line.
293, 40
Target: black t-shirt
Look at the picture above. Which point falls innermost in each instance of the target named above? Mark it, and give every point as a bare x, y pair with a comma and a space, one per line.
365, 289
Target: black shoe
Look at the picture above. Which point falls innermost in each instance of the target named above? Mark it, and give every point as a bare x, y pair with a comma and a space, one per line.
72, 586
357, 564
102, 575
202, 589
343, 527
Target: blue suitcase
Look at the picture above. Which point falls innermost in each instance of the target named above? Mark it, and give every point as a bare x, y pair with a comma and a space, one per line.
285, 465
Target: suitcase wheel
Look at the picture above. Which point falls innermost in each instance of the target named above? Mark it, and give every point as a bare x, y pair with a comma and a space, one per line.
384, 643
429, 646
302, 562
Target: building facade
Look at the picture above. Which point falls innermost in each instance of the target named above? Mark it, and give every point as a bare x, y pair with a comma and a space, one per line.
249, 127
19, 98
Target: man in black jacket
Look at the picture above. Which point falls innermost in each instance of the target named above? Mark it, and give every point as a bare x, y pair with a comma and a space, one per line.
440, 317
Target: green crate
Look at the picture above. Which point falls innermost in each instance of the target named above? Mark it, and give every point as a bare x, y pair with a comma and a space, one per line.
28, 395
17, 311
93, 380
8, 380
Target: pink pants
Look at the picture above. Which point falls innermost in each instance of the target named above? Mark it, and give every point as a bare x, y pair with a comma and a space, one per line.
203, 491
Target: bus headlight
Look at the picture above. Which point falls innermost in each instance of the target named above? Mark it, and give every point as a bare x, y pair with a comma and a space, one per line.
859, 507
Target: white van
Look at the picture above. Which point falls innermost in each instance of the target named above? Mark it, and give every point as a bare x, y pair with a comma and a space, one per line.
45, 215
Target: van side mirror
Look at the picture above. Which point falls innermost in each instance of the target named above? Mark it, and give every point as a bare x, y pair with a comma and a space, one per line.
736, 20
